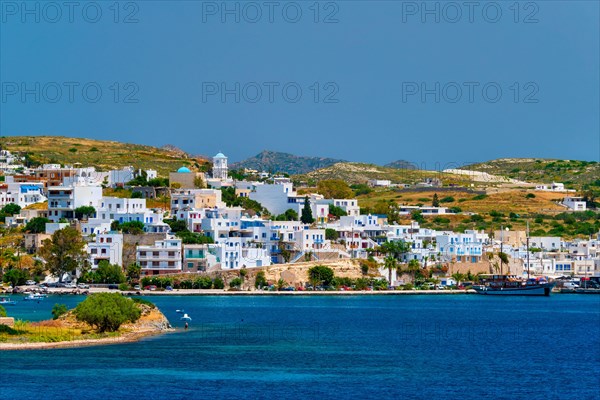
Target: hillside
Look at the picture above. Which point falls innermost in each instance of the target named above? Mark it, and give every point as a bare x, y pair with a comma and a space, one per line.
272, 161
102, 154
355, 173
401, 164
569, 172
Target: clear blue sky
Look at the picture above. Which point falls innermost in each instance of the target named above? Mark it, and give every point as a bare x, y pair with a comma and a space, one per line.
376, 57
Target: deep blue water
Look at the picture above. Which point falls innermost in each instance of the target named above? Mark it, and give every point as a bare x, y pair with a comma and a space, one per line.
462, 346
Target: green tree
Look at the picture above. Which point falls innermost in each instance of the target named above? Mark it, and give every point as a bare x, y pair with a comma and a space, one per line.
58, 310
133, 272
390, 264
110, 273
236, 283
16, 277
320, 274
413, 267
63, 252
11, 209
84, 211
436, 201
307, 217
337, 211
36, 225
261, 280
107, 311
136, 194
331, 234
218, 283
334, 189
131, 227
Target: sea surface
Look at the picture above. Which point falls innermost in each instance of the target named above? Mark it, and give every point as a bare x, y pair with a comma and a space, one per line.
315, 347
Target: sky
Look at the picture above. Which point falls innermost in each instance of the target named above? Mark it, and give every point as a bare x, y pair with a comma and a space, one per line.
441, 84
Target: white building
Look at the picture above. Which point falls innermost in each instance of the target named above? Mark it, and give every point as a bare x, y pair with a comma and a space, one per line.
220, 170
164, 257
574, 203
350, 206
546, 243
106, 247
63, 200
379, 183
462, 247
22, 194
237, 253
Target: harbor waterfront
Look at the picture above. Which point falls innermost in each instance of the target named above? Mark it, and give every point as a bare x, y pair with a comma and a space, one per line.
329, 346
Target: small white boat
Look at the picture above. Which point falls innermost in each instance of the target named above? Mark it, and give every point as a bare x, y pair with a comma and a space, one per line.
180, 311
35, 297
186, 317
6, 301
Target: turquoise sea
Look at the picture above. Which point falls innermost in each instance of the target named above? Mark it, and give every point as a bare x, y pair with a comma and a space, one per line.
363, 347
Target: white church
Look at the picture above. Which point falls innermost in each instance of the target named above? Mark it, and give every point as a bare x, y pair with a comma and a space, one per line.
220, 172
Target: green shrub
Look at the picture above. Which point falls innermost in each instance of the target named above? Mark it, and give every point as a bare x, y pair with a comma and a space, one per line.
58, 310
530, 196
447, 199
2, 312
261, 280
107, 311
123, 287
480, 197
218, 283
236, 283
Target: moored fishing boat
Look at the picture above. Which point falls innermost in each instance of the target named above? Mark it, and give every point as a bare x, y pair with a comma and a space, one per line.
511, 285
6, 301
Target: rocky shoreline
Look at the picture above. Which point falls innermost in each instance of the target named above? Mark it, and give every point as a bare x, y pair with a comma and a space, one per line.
151, 323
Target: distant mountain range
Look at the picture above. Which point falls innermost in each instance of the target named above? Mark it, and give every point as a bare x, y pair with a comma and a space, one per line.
273, 161
401, 164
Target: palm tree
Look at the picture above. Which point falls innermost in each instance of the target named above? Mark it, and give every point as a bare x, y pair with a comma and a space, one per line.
390, 264
458, 277
412, 267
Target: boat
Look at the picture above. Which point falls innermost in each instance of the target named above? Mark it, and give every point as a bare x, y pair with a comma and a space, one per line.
180, 311
511, 285
35, 297
186, 317
6, 301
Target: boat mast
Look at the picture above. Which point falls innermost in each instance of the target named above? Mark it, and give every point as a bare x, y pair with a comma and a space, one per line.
527, 250
501, 248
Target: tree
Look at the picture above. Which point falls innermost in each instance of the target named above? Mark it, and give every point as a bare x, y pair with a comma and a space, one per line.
413, 267
63, 252
320, 274
177, 225
289, 215
236, 283
331, 234
436, 201
218, 283
110, 273
133, 272
58, 310
10, 209
396, 248
36, 225
261, 280
334, 189
131, 227
307, 217
337, 211
107, 311
136, 194
390, 264
84, 211
199, 182
16, 277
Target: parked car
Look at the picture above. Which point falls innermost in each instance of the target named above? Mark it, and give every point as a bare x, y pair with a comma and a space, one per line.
83, 286
570, 285
137, 287
30, 283
113, 287
150, 287
169, 288
70, 285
